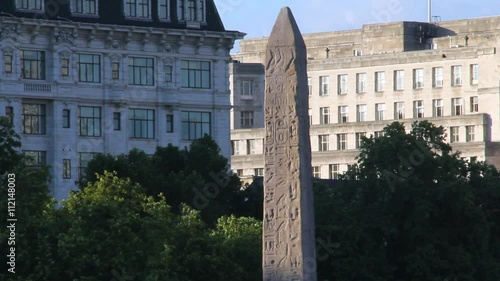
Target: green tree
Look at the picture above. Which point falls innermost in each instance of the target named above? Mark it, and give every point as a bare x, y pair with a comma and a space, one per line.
411, 209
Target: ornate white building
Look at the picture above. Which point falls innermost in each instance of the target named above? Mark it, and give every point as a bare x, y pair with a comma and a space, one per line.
105, 76
361, 80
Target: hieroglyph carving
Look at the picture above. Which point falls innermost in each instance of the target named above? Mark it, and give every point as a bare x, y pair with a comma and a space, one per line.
288, 227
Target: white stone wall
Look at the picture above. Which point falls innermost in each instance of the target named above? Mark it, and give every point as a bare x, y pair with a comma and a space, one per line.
112, 44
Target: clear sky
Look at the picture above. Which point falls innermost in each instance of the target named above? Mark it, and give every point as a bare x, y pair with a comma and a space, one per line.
256, 17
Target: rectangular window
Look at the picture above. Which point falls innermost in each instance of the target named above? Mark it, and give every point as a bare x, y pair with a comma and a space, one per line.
399, 77
360, 83
437, 77
29, 4
83, 161
341, 141
379, 81
474, 104
418, 109
9, 111
195, 124
323, 142
35, 158
399, 110
456, 75
418, 78
342, 84
239, 172
324, 115
474, 74
137, 8
34, 119
201, 7
470, 133
361, 114
246, 87
454, 134
379, 111
191, 7
246, 119
359, 139
117, 121
310, 117
258, 172
378, 134
141, 123
87, 7
235, 147
141, 71
170, 123
168, 73
324, 85
33, 65
316, 172
343, 114
64, 67
437, 108
89, 121
115, 70
7, 63
163, 9
195, 74
309, 85
89, 68
65, 118
66, 169
334, 171
457, 106
250, 147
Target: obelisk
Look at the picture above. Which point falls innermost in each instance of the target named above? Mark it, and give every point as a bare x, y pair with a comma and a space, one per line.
288, 223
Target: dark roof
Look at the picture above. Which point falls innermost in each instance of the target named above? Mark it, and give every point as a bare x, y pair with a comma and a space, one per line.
111, 12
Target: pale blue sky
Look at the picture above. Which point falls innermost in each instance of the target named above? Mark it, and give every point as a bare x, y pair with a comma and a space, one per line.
256, 17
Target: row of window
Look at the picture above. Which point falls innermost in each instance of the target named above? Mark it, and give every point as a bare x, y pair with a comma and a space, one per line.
36, 158
457, 108
141, 121
399, 78
187, 10
141, 71
250, 146
342, 139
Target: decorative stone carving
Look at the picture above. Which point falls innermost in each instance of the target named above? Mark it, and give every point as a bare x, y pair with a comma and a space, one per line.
8, 32
288, 234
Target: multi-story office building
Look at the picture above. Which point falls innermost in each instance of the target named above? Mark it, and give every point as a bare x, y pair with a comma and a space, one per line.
82, 77
361, 80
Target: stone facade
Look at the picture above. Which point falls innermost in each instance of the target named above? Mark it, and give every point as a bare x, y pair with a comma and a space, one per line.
360, 80
102, 80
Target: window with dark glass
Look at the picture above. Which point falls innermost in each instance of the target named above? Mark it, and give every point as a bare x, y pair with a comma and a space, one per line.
195, 74
141, 123
141, 71
89, 121
115, 71
35, 158
34, 119
163, 9
7, 66
170, 123
88, 7
9, 111
117, 121
89, 68
66, 168
137, 8
64, 67
33, 65
65, 118
191, 10
83, 161
168, 73
29, 4
195, 124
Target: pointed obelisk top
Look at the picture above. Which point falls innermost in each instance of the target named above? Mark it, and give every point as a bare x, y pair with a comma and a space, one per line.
285, 32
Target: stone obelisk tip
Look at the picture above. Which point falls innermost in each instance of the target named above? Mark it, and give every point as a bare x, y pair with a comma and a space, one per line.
285, 31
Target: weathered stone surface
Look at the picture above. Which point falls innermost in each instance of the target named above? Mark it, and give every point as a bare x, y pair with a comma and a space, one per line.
288, 226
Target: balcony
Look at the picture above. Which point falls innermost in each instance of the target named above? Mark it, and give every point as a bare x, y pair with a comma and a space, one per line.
37, 88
